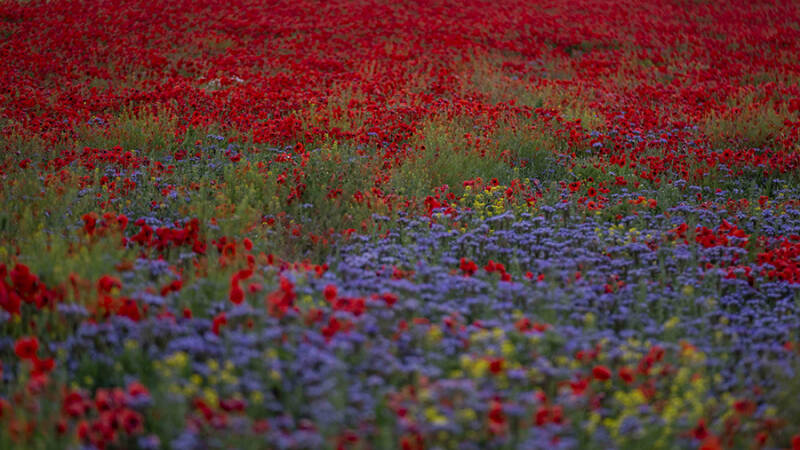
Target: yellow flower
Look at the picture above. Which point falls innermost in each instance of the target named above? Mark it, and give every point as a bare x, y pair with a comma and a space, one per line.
228, 378
479, 368
196, 379
213, 365
178, 360
671, 323
211, 397
435, 333
434, 416
507, 348
467, 414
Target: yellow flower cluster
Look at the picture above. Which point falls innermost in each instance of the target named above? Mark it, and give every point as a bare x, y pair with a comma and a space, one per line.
491, 201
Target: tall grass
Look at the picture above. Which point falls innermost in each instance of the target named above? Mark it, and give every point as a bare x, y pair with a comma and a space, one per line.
746, 121
485, 76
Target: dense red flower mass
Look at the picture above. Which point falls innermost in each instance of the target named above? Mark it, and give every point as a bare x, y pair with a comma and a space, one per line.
270, 69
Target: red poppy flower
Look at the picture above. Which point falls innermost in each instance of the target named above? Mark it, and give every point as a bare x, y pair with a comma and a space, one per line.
132, 421
89, 222
497, 418
219, 320
129, 309
744, 407
626, 374
61, 426
236, 295
122, 221
601, 373
579, 386
700, 432
136, 389
103, 400
74, 405
468, 267
330, 292
26, 347
496, 365
106, 283
390, 299
42, 366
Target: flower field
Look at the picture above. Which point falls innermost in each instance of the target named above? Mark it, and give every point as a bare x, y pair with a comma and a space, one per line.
367, 224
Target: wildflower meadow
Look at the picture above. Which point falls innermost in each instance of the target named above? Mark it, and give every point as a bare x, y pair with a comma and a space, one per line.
366, 224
